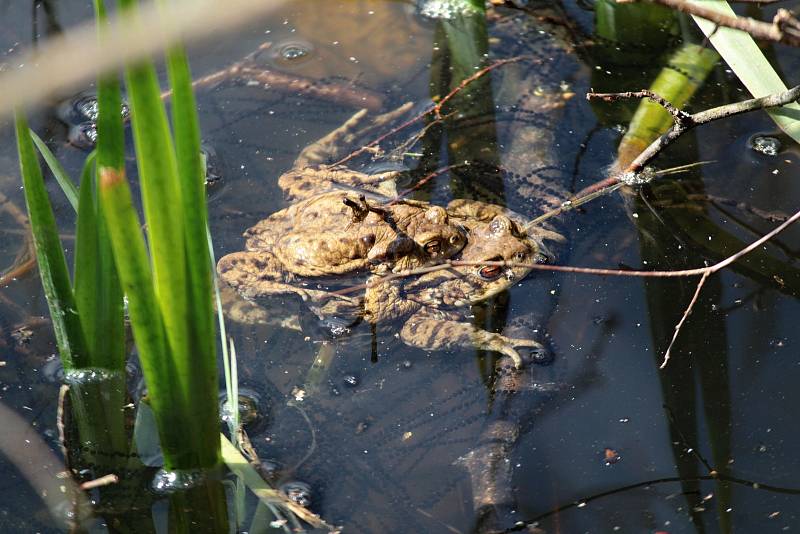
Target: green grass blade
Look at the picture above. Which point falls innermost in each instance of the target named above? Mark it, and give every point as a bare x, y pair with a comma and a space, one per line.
61, 176
49, 253
744, 57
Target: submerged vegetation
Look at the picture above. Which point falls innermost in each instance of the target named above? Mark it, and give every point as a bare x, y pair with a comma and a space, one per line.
488, 132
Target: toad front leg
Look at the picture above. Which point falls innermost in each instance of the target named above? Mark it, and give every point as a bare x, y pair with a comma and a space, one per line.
439, 330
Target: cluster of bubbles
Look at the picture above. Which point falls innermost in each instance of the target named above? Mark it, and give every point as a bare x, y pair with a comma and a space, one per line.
292, 53
442, 9
769, 146
80, 114
253, 410
169, 481
88, 375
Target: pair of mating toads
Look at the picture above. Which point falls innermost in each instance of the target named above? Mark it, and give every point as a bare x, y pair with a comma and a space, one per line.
346, 227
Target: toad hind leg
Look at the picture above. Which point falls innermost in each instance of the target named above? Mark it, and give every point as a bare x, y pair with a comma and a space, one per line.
430, 332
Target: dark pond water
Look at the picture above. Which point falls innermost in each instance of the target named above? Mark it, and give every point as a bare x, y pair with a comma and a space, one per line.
606, 441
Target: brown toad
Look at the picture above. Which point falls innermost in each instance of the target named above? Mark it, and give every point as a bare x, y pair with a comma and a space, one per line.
433, 305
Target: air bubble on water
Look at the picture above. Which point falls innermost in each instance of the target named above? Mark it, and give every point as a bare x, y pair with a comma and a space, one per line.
292, 52
89, 375
87, 107
166, 481
350, 380
644, 176
53, 370
298, 492
769, 146
442, 9
404, 365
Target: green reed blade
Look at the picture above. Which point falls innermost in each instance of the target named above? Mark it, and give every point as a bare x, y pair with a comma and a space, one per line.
49, 254
161, 196
110, 154
201, 371
110, 129
163, 379
61, 176
191, 174
745, 58
97, 288
86, 255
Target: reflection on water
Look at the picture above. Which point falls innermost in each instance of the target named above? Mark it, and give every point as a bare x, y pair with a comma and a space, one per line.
410, 441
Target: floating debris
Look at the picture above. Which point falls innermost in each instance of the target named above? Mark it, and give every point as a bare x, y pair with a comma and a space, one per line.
611, 456
767, 145
298, 492
642, 177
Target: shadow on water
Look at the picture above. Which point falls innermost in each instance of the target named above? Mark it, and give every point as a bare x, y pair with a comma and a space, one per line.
695, 382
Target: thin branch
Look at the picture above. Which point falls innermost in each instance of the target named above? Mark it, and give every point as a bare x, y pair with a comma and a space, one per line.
680, 128
685, 315
784, 28
677, 114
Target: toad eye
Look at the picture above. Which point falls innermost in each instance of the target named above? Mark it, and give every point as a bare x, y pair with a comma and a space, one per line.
519, 256
433, 246
490, 272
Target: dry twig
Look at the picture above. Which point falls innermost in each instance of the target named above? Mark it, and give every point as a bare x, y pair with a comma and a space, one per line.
785, 27
686, 123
